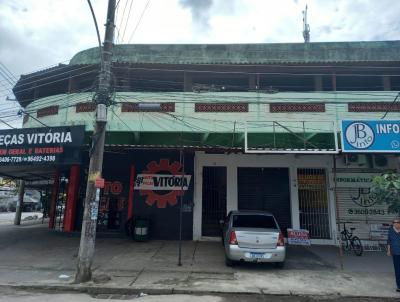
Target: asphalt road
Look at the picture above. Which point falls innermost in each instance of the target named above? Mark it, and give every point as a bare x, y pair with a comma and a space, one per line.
11, 295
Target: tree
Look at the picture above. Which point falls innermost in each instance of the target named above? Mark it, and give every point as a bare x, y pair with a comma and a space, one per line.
387, 190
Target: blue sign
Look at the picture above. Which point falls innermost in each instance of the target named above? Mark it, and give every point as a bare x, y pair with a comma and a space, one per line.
371, 136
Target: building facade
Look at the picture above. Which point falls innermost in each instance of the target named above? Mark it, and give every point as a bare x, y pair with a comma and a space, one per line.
206, 129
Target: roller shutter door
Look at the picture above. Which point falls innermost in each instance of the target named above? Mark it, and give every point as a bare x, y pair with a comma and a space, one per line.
265, 189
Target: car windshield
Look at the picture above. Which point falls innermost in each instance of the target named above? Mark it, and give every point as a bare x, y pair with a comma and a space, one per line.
254, 221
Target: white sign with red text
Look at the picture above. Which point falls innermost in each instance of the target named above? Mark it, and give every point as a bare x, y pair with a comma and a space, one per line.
298, 237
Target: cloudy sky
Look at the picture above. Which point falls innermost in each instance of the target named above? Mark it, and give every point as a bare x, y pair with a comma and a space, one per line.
36, 34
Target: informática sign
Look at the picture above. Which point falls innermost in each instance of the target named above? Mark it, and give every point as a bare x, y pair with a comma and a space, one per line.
49, 145
298, 237
371, 136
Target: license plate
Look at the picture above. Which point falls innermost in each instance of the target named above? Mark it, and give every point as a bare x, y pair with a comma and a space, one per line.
258, 255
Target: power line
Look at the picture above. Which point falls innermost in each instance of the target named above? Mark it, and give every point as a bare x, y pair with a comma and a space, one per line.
138, 23
4, 122
390, 106
122, 19
9, 72
127, 20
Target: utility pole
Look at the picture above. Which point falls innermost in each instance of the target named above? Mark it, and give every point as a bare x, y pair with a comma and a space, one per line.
20, 203
102, 99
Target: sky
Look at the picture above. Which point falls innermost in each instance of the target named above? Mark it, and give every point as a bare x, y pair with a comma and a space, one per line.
37, 34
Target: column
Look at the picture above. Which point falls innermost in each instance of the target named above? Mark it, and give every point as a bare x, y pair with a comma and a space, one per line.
386, 83
131, 192
20, 203
187, 82
53, 202
72, 196
318, 83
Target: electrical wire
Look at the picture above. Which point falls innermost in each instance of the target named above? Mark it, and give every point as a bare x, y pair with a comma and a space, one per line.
122, 19
390, 106
138, 23
4, 122
127, 19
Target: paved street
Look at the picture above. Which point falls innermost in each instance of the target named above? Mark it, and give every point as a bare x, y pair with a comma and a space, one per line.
36, 258
25, 296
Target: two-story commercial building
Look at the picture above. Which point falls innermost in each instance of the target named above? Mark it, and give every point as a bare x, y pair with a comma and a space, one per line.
225, 127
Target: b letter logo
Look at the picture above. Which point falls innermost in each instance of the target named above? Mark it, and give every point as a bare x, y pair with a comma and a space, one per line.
359, 135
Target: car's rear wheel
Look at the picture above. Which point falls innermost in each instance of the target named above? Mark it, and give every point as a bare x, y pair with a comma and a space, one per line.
228, 262
279, 264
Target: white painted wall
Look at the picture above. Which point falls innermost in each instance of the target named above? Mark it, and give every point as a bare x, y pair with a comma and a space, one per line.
233, 161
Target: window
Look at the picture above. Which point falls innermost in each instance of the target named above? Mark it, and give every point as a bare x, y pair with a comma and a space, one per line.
51, 110
158, 107
254, 221
221, 107
296, 107
85, 107
374, 107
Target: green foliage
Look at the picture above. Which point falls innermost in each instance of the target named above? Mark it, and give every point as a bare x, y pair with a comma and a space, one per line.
387, 190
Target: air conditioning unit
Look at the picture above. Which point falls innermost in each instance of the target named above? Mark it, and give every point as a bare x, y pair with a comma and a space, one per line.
350, 159
380, 160
356, 160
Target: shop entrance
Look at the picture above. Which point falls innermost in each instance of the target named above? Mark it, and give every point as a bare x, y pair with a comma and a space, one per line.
265, 189
214, 200
313, 202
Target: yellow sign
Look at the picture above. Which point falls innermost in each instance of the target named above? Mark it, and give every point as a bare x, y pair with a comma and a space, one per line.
93, 176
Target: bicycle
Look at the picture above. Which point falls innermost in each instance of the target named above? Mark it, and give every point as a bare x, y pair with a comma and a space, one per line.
351, 242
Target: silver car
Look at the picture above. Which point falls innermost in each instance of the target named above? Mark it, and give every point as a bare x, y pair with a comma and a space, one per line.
252, 236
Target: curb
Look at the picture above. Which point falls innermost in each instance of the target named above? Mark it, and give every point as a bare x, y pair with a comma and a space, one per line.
96, 290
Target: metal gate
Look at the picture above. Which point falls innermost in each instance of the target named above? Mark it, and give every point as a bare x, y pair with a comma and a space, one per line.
313, 202
214, 200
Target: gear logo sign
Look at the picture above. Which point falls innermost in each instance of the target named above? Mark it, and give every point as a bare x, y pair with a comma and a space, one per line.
161, 199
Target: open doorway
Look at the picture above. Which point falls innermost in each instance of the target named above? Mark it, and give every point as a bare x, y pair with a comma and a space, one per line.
214, 200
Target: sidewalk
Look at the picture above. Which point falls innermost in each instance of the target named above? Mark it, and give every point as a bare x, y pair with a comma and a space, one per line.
34, 257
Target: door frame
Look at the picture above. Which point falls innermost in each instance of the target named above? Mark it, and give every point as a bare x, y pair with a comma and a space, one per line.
226, 175
233, 161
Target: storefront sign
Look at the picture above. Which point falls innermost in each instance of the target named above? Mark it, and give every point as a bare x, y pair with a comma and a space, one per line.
99, 183
48, 145
162, 188
355, 180
157, 182
298, 237
379, 231
371, 136
356, 201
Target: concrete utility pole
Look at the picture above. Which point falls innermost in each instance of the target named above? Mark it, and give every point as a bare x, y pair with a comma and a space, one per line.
102, 98
20, 203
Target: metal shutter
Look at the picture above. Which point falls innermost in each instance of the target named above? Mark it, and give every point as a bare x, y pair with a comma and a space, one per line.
265, 189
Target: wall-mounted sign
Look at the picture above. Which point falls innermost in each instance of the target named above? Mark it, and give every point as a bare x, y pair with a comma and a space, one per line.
356, 201
355, 180
162, 183
50, 145
298, 237
371, 136
379, 231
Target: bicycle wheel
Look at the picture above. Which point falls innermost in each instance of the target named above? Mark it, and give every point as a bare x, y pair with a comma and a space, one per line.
356, 246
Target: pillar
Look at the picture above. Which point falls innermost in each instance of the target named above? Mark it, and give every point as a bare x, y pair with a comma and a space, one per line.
20, 203
318, 83
334, 82
53, 202
386, 83
187, 82
131, 192
253, 82
72, 196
